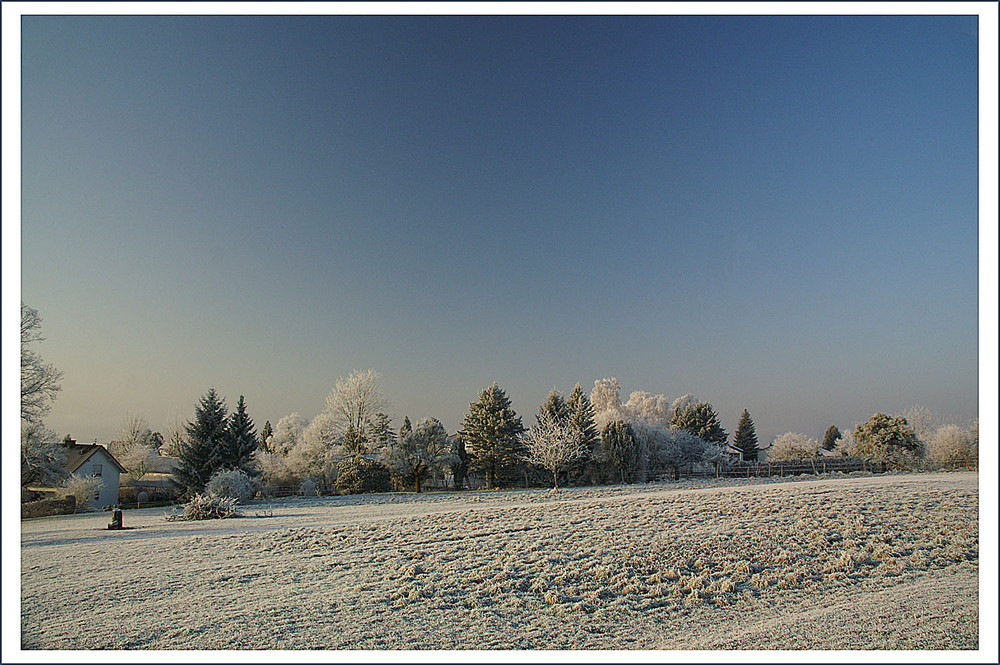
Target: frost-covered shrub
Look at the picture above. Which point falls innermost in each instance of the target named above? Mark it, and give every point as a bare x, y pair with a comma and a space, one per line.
205, 507
231, 483
360, 475
82, 488
791, 446
308, 488
953, 446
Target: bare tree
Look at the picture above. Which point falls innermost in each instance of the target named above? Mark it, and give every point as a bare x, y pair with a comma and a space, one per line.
554, 445
175, 437
42, 457
39, 380
356, 399
133, 446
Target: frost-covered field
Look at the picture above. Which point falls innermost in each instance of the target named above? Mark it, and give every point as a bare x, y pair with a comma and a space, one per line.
886, 562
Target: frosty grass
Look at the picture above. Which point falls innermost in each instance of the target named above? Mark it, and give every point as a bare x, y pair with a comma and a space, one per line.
872, 562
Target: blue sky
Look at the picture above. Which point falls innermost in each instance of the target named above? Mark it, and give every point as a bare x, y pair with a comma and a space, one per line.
772, 213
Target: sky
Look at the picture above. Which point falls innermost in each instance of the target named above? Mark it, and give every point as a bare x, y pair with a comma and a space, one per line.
773, 213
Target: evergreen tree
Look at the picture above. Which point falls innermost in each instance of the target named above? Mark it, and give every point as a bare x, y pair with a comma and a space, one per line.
620, 449
406, 427
198, 452
745, 438
265, 437
554, 408
460, 461
581, 422
352, 443
239, 443
701, 420
380, 433
831, 437
491, 432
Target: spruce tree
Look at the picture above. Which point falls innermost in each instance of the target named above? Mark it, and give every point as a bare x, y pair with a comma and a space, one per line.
352, 443
491, 432
701, 420
831, 437
621, 449
581, 421
406, 427
198, 452
745, 438
554, 408
239, 443
265, 436
380, 432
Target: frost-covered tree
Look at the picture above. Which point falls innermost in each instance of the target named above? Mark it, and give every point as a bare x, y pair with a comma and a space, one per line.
952, 446
581, 420
205, 435
138, 461
42, 458
682, 403
554, 444
287, 433
606, 401
923, 422
82, 489
352, 443
647, 408
236, 450
790, 446
406, 427
620, 448
846, 446
491, 431
674, 449
360, 475
317, 451
39, 380
883, 438
380, 433
416, 453
175, 437
701, 420
265, 437
554, 407
745, 437
354, 400
134, 446
831, 437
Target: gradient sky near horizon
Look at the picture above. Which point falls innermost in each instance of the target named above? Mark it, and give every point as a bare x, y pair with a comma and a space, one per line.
772, 213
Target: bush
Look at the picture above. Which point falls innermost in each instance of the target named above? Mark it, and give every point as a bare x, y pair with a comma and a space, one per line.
82, 488
952, 446
232, 483
205, 507
360, 475
308, 488
792, 446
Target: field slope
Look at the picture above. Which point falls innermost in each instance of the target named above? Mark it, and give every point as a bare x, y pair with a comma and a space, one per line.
871, 562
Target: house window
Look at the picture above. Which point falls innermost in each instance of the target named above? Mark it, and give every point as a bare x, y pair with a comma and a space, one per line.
98, 468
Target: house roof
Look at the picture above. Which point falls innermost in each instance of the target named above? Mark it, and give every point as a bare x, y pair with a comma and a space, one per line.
77, 454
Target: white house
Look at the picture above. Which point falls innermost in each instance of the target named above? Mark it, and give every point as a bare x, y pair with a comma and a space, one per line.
91, 459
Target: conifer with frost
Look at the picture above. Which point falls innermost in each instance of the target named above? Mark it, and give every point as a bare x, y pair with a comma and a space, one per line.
198, 452
745, 438
491, 431
239, 443
701, 420
830, 438
620, 449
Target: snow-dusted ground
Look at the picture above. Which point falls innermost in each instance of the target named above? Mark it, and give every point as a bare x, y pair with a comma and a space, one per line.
886, 562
